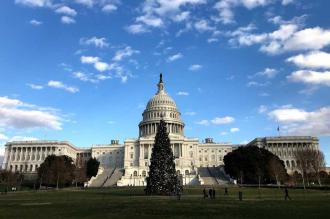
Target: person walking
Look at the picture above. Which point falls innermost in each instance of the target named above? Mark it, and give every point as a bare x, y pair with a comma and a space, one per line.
213, 193
286, 192
204, 193
226, 191
210, 193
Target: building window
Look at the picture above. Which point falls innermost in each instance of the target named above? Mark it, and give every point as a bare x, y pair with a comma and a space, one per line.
186, 172
131, 164
131, 155
146, 164
135, 173
143, 173
213, 157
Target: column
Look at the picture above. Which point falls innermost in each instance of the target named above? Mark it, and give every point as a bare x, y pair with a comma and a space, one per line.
180, 150
21, 154
5, 158
16, 153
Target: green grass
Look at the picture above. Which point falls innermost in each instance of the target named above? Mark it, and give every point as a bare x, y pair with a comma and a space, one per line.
131, 203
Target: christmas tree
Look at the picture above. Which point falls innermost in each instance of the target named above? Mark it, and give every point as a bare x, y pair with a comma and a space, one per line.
162, 179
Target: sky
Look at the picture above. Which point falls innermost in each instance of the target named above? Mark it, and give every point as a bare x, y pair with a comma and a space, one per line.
84, 70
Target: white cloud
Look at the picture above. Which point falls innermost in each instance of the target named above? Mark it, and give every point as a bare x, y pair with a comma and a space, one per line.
174, 57
89, 59
311, 77
34, 3
203, 26
85, 77
223, 133
123, 53
222, 120
109, 8
182, 93
225, 8
154, 13
268, 72
262, 109
203, 122
3, 137
191, 113
7, 102
212, 40
17, 114
314, 59
35, 86
195, 67
97, 42
264, 94
182, 16
101, 66
150, 20
88, 3
288, 37
35, 22
257, 84
66, 11
67, 20
61, 85
233, 130
136, 29
297, 121
286, 2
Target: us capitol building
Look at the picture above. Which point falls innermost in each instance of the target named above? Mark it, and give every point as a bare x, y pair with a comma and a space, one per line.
128, 163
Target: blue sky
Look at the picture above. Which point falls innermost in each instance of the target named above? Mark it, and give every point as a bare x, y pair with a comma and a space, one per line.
84, 70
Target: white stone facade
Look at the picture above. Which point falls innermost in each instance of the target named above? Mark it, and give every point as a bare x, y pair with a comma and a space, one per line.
27, 156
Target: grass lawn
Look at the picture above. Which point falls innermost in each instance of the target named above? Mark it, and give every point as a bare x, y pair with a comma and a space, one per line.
131, 203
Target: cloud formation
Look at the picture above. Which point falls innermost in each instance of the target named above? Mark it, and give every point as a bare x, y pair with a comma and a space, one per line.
313, 60
195, 67
62, 86
95, 41
174, 57
298, 121
19, 115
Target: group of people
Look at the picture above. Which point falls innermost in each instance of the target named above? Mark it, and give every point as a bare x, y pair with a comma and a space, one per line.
210, 194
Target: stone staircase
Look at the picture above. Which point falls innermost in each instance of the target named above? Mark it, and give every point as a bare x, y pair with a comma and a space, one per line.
101, 178
114, 177
219, 175
213, 176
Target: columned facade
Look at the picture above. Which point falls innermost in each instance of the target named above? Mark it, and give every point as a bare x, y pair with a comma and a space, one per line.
285, 147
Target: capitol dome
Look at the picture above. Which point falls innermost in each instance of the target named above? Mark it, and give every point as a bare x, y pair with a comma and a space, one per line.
161, 106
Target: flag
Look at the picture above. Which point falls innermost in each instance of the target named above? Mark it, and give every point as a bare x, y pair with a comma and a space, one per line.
278, 128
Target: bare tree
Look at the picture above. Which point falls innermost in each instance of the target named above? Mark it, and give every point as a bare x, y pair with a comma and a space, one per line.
302, 157
317, 163
277, 171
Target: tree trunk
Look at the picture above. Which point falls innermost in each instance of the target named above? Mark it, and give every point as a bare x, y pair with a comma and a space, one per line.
303, 178
58, 178
319, 179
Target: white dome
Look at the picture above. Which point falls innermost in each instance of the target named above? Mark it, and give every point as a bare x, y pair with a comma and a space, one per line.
161, 106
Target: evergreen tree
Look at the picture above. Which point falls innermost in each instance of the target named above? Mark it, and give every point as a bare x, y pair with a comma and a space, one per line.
162, 179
